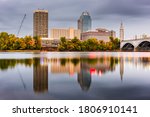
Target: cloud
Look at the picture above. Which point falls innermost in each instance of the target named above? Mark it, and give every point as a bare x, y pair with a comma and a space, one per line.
127, 8
63, 13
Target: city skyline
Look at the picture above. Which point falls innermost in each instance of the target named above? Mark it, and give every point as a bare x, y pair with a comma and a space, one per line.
106, 14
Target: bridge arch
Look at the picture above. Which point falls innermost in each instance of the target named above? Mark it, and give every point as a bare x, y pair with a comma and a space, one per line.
128, 47
144, 45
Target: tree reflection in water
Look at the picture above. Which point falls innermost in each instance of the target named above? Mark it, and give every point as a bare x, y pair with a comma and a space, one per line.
82, 66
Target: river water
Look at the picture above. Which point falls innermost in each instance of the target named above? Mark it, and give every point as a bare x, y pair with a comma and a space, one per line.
75, 75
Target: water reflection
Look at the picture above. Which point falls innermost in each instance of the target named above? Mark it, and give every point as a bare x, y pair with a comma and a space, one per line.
11, 63
40, 75
121, 67
83, 69
84, 79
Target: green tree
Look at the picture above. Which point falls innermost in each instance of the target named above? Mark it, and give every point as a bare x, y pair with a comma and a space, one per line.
11, 42
92, 44
30, 43
37, 41
76, 43
63, 44
84, 45
4, 40
115, 43
101, 45
21, 44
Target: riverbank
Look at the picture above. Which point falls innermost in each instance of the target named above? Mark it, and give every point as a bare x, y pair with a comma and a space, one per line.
21, 50
65, 51
53, 51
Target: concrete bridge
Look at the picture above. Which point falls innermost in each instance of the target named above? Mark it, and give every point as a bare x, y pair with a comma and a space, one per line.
141, 44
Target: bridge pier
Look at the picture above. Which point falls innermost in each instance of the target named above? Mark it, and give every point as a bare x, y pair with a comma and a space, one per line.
135, 50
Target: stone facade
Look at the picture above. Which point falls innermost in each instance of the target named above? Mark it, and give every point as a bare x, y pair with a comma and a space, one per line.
99, 34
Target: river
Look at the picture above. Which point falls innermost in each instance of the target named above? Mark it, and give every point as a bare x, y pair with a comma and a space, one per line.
75, 75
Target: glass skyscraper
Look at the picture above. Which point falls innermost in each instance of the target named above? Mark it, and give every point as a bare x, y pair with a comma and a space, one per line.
85, 22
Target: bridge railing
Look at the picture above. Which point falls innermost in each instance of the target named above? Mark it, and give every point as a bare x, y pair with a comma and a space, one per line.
136, 39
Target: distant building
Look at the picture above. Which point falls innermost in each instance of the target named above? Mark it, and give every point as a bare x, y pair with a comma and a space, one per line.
85, 22
121, 32
40, 23
49, 42
99, 34
70, 33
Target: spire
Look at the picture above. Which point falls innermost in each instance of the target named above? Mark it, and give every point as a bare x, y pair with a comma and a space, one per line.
121, 26
121, 32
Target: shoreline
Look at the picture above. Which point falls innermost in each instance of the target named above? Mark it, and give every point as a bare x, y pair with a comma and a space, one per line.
20, 51
64, 51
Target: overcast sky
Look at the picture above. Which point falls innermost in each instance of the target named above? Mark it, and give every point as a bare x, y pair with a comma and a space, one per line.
135, 14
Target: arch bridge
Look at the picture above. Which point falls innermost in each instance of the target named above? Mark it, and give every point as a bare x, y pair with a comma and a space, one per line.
142, 44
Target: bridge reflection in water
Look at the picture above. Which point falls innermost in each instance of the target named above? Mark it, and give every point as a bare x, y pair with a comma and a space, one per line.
85, 68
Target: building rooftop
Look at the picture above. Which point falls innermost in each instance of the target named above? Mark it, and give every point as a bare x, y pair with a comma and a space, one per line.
85, 13
41, 10
98, 30
102, 29
62, 28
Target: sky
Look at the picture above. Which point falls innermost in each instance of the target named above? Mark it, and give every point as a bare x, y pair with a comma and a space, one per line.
135, 15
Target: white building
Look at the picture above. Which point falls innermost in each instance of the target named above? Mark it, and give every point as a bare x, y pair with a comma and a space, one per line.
49, 42
70, 33
121, 32
99, 34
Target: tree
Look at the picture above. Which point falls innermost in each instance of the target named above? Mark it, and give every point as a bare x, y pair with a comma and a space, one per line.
101, 45
70, 46
92, 44
11, 42
63, 44
83, 45
115, 43
30, 43
4, 40
76, 43
21, 44
37, 41
88, 45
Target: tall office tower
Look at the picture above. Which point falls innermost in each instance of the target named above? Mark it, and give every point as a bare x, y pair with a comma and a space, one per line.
85, 22
121, 32
40, 23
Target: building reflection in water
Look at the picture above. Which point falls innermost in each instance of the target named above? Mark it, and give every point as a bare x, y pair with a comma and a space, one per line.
40, 75
121, 67
84, 67
84, 78
65, 65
